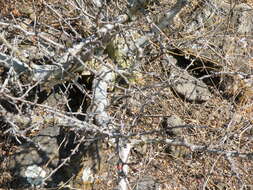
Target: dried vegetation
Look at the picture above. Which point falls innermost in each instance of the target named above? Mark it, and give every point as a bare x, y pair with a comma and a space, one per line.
209, 146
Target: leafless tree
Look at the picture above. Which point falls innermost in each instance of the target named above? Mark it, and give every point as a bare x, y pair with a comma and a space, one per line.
129, 61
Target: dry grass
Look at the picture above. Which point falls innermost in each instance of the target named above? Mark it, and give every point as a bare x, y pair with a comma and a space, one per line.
227, 116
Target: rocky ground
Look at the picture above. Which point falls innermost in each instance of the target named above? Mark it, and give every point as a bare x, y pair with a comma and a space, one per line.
183, 101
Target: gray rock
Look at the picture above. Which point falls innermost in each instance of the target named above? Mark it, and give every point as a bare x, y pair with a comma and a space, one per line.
173, 121
31, 164
188, 87
35, 174
174, 125
147, 183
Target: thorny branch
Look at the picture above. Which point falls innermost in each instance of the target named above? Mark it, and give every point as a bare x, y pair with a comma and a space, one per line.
98, 119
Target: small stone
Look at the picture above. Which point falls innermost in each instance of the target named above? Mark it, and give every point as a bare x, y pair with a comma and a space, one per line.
173, 121
170, 125
147, 183
35, 175
188, 87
